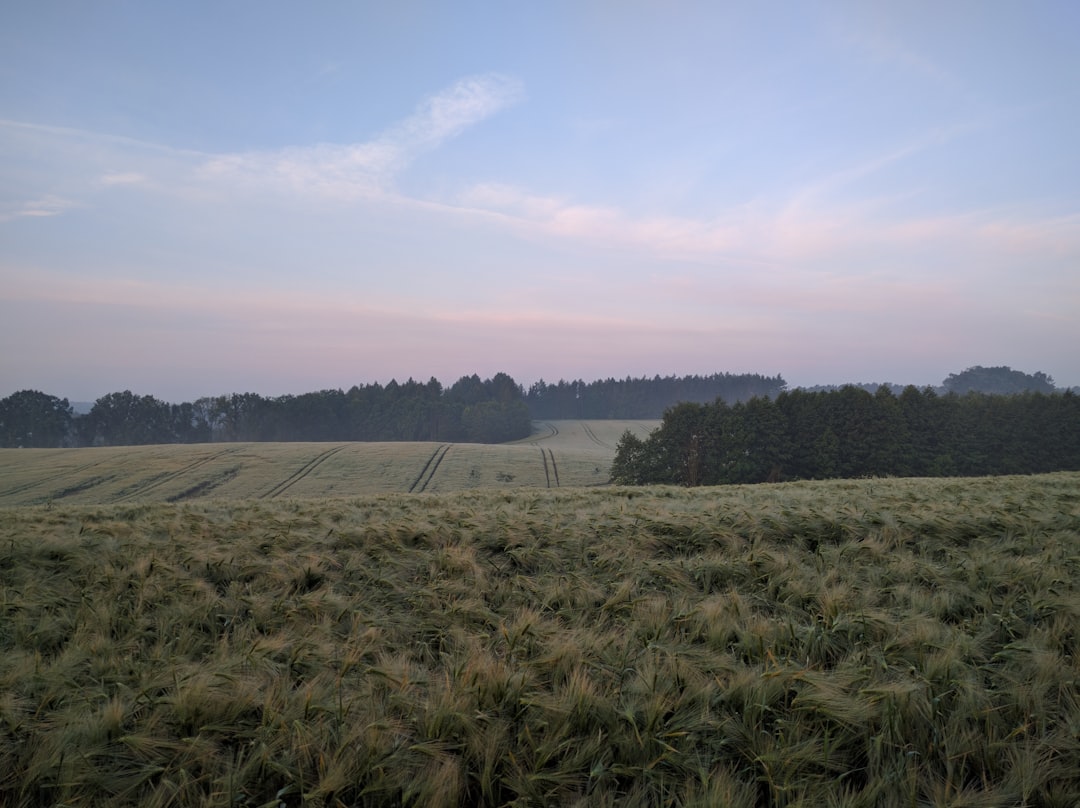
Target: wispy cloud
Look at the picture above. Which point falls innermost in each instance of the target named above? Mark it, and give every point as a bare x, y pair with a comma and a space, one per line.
41, 207
823, 218
364, 168
605, 226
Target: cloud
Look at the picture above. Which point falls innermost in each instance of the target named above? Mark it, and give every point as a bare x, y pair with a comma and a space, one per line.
806, 225
605, 226
365, 168
450, 112
805, 221
44, 206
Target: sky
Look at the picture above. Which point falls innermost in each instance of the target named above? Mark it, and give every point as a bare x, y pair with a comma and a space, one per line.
211, 197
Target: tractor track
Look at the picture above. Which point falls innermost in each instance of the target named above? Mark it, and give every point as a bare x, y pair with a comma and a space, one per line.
78, 488
550, 470
53, 477
554, 468
303, 472
553, 433
592, 436
173, 475
433, 463
423, 471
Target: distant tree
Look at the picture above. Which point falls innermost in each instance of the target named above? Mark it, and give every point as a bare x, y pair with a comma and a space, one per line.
503, 389
644, 398
189, 423
998, 380
467, 390
241, 417
33, 419
124, 419
204, 411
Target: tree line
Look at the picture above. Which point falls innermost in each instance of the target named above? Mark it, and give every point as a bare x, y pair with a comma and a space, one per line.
471, 410
643, 397
800, 435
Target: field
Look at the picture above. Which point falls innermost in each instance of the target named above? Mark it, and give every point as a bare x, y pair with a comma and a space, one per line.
844, 643
559, 453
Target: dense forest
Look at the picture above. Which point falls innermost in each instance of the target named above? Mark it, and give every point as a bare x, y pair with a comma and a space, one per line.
644, 397
853, 433
488, 411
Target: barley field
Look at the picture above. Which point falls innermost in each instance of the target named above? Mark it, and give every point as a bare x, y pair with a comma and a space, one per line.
559, 453
843, 643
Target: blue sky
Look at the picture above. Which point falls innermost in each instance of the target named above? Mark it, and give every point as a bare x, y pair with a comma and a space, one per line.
203, 198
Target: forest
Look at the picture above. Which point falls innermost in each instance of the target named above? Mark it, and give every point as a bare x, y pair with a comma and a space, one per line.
494, 410
851, 433
471, 410
643, 397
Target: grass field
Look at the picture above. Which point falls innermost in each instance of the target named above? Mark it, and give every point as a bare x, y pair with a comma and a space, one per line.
843, 643
559, 453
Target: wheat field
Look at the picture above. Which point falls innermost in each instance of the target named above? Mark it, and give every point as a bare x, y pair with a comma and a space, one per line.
843, 643
559, 453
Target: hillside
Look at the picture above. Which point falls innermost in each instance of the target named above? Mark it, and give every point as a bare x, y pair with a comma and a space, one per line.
559, 453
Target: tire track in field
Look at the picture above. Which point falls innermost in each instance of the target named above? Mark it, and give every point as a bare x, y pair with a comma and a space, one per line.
441, 453
554, 431
547, 474
54, 477
423, 471
592, 436
85, 485
551, 469
173, 475
303, 472
554, 468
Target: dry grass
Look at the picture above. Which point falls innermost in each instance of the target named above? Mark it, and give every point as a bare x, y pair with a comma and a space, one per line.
877, 643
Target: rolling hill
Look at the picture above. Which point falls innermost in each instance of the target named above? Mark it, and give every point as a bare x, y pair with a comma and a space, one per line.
557, 454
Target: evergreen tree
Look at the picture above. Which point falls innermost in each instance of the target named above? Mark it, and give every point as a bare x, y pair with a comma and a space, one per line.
853, 433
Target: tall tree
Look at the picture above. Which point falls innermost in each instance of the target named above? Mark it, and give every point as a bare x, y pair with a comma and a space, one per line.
33, 419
